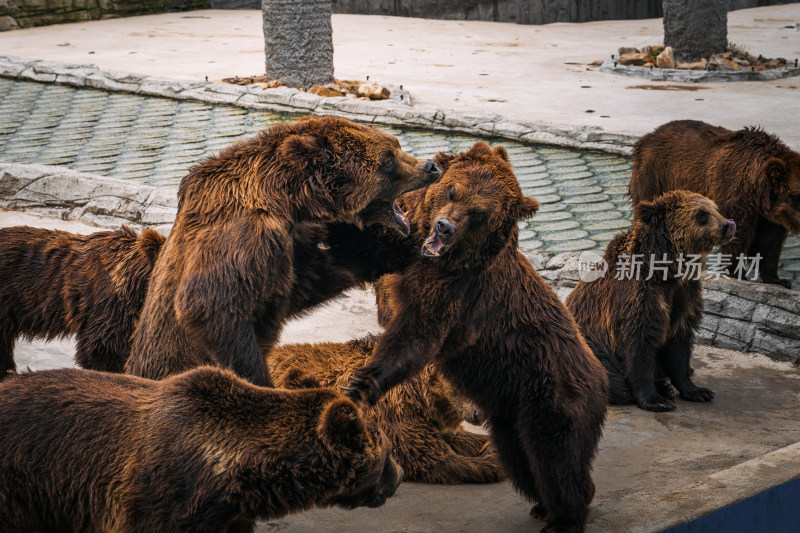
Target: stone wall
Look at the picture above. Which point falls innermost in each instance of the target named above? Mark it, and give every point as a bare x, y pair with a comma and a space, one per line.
26, 13
520, 11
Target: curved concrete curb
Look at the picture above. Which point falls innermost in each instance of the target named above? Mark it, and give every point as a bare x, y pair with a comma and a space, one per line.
288, 100
739, 315
743, 316
697, 76
709, 494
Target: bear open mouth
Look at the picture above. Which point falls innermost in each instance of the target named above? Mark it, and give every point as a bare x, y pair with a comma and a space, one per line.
401, 218
433, 246
731, 231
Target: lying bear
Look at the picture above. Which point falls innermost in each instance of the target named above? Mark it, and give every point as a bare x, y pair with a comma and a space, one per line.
87, 451
641, 322
751, 175
474, 305
422, 417
222, 286
57, 284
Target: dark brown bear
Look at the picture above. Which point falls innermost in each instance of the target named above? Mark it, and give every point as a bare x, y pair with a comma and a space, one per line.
202, 451
752, 176
222, 286
56, 283
642, 330
422, 417
473, 304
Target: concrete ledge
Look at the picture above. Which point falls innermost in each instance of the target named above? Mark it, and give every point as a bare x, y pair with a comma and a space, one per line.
697, 76
96, 200
283, 99
739, 315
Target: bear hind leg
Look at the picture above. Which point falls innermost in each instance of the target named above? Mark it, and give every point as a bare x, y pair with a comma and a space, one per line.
674, 357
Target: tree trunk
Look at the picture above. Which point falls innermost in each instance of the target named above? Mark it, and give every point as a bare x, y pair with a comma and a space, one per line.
696, 29
298, 41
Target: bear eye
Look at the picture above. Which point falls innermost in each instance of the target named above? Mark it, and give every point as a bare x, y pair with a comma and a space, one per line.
476, 219
448, 194
388, 164
702, 217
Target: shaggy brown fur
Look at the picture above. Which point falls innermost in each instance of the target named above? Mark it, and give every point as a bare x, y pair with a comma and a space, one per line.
422, 417
643, 330
222, 286
56, 283
203, 451
752, 176
473, 304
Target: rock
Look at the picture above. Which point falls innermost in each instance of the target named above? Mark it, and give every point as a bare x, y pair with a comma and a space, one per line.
697, 65
647, 49
373, 91
634, 59
666, 59
324, 91
274, 84
695, 30
759, 68
627, 50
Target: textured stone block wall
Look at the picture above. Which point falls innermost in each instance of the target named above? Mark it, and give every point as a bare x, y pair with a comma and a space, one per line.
26, 13
520, 11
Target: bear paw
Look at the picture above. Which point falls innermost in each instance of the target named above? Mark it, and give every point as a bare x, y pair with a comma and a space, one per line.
656, 403
698, 394
364, 390
786, 283
666, 390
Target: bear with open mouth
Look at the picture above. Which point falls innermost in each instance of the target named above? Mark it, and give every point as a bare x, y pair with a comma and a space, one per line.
473, 305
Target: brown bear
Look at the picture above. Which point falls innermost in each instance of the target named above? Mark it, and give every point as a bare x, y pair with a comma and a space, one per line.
474, 305
640, 319
202, 451
57, 283
221, 287
422, 417
751, 175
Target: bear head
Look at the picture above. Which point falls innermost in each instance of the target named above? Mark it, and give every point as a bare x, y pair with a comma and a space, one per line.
350, 172
683, 222
780, 197
471, 213
374, 475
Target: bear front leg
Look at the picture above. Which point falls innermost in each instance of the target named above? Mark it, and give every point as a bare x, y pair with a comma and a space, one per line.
465, 442
400, 354
8, 335
674, 357
768, 242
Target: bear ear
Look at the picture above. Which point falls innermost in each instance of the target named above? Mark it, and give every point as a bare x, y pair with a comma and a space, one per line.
481, 147
775, 169
526, 207
341, 423
443, 160
502, 153
297, 379
301, 151
649, 212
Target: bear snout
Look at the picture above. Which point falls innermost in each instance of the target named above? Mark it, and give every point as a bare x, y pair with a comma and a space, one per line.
728, 228
445, 229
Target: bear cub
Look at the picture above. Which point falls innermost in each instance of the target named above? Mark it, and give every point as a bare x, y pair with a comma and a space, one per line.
641, 329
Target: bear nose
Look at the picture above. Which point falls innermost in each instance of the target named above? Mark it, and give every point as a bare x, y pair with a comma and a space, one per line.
445, 228
430, 167
729, 228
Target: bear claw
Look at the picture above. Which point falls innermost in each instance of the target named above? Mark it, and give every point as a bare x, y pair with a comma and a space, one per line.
699, 394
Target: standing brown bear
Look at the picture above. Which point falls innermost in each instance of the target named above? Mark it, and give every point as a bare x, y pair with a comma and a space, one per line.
203, 451
641, 324
56, 283
473, 304
222, 286
422, 417
752, 176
